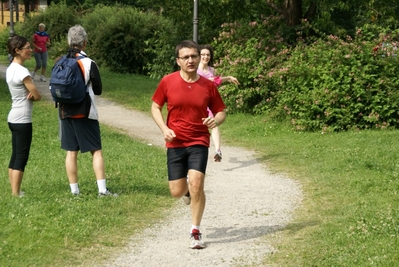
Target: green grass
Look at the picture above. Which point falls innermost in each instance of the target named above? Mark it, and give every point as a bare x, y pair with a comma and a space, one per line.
349, 215
132, 91
49, 227
350, 212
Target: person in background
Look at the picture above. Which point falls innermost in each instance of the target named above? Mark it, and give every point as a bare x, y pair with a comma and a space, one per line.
186, 130
23, 92
207, 70
80, 129
40, 41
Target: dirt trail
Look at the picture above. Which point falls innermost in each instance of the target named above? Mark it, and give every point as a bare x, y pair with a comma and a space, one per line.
245, 205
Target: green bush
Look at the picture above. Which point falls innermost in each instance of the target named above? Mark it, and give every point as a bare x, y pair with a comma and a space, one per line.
327, 84
316, 81
337, 84
247, 51
58, 18
161, 48
120, 41
4, 35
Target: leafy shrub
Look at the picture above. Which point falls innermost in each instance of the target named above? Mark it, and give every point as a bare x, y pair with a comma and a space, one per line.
58, 18
58, 34
328, 83
247, 51
336, 84
161, 48
120, 42
4, 36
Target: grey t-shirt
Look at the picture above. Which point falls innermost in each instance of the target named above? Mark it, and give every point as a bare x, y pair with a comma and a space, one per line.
21, 108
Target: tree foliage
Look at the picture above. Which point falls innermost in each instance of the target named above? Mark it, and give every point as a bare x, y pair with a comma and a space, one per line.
304, 60
329, 84
120, 42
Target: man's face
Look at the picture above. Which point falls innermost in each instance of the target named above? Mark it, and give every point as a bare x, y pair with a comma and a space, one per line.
188, 60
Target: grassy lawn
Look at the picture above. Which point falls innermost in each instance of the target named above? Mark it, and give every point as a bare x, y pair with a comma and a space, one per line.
50, 227
349, 215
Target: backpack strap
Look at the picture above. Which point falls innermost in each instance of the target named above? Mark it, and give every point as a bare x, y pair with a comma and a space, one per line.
76, 53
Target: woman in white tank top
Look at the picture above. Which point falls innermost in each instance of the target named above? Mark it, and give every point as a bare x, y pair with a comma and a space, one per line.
23, 92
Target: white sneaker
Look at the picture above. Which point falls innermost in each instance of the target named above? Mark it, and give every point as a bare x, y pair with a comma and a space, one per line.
21, 194
218, 156
107, 194
187, 198
42, 79
32, 74
196, 240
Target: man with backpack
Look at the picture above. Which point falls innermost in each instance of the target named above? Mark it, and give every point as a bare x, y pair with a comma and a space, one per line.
80, 129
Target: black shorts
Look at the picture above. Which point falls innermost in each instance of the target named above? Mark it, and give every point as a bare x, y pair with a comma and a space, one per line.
182, 159
80, 134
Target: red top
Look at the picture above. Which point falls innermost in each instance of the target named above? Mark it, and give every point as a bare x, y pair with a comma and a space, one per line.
40, 41
187, 105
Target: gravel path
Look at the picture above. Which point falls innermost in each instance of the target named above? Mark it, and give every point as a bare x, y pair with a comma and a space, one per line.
245, 205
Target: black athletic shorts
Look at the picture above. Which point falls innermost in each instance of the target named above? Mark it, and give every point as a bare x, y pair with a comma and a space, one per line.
80, 134
182, 159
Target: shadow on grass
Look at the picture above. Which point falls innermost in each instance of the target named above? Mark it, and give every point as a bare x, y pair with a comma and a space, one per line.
296, 227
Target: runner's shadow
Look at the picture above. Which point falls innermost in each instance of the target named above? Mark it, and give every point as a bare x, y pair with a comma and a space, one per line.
233, 234
241, 164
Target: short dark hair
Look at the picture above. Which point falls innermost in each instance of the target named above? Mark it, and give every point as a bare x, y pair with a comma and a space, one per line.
208, 47
16, 42
186, 44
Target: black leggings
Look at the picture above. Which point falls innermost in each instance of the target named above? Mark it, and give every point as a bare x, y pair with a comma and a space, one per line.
21, 139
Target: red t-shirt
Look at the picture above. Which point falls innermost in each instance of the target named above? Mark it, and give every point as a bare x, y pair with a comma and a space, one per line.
40, 41
187, 104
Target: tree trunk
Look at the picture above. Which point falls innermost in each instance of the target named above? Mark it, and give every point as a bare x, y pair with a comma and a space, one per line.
293, 12
27, 7
311, 13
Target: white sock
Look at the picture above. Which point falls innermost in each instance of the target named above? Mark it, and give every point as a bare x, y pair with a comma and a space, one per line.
194, 227
102, 187
74, 188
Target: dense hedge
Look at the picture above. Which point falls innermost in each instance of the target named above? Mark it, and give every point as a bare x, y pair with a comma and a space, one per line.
120, 37
329, 84
336, 84
318, 82
57, 18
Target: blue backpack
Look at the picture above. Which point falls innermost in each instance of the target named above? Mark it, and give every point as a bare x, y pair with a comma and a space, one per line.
67, 84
